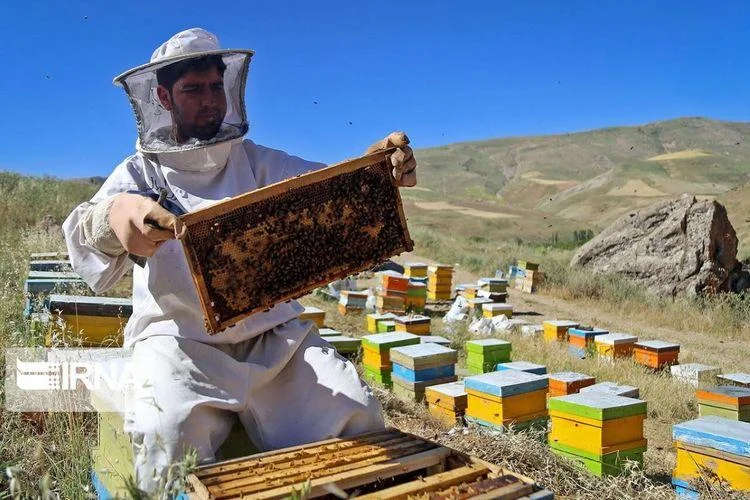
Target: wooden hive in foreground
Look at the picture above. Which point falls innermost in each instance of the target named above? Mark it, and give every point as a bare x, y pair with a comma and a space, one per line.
281, 241
386, 464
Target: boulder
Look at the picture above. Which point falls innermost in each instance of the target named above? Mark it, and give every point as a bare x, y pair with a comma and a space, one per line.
678, 246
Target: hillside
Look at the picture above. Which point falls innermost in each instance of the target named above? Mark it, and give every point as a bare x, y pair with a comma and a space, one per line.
559, 183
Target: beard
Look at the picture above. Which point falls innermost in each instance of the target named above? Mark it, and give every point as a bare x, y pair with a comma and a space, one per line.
205, 131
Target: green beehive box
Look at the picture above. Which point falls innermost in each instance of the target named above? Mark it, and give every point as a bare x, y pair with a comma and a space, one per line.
383, 342
610, 464
344, 344
488, 346
380, 375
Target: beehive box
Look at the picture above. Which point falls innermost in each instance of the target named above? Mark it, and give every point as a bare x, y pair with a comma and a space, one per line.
422, 364
54, 265
736, 379
566, 383
348, 346
490, 310
328, 332
599, 431
386, 326
281, 241
416, 324
385, 304
483, 355
717, 445
383, 465
612, 389
314, 314
352, 301
475, 305
724, 401
88, 321
557, 330
373, 319
523, 366
494, 285
584, 337
695, 374
435, 339
414, 391
394, 282
376, 348
656, 354
500, 399
496, 297
615, 345
447, 402
415, 270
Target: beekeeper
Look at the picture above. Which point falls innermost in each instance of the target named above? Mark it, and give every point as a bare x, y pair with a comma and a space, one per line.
286, 384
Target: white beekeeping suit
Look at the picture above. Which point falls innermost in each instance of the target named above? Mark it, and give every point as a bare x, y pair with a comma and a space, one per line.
287, 385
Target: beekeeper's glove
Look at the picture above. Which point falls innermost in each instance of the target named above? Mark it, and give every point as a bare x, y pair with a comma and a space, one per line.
402, 160
141, 224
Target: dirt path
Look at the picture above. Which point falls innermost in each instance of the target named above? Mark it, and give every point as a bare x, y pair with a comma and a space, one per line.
730, 355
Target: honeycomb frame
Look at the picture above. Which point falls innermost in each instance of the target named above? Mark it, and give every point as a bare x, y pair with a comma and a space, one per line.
279, 242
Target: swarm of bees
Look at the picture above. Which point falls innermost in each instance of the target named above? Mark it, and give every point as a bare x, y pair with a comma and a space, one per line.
280, 247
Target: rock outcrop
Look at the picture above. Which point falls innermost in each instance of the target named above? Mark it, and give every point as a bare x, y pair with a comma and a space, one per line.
679, 246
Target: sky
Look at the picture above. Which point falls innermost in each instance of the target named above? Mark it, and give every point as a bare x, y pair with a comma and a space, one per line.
331, 77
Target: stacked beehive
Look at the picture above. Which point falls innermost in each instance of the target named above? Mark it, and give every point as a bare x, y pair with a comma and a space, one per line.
345, 345
598, 431
40, 284
416, 297
475, 304
416, 367
656, 354
531, 278
314, 314
374, 318
494, 309
612, 389
615, 345
557, 330
376, 358
439, 282
712, 449
737, 379
695, 374
509, 397
416, 270
566, 383
392, 294
415, 323
447, 402
493, 288
522, 366
483, 355
352, 301
724, 401
581, 340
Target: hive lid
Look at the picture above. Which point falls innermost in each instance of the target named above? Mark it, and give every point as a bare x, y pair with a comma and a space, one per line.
281, 241
736, 378
437, 339
385, 341
561, 323
452, 389
614, 389
579, 332
506, 383
597, 405
524, 366
488, 345
616, 339
657, 345
421, 356
719, 433
497, 307
570, 377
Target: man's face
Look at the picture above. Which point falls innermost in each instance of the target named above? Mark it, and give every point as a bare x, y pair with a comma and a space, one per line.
197, 102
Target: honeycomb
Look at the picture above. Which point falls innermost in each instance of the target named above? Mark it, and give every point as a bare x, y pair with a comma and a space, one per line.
281, 241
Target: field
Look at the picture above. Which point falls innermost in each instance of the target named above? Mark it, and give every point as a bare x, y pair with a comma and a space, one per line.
465, 213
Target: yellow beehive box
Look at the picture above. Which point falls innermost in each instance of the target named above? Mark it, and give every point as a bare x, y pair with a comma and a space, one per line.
491, 310
448, 417
314, 314
415, 270
615, 345
373, 319
597, 423
438, 295
557, 330
497, 410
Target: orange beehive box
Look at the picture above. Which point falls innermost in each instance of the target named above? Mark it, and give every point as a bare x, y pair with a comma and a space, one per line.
395, 283
565, 383
655, 353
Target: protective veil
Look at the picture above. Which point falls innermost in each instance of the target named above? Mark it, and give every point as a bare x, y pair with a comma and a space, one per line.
286, 384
